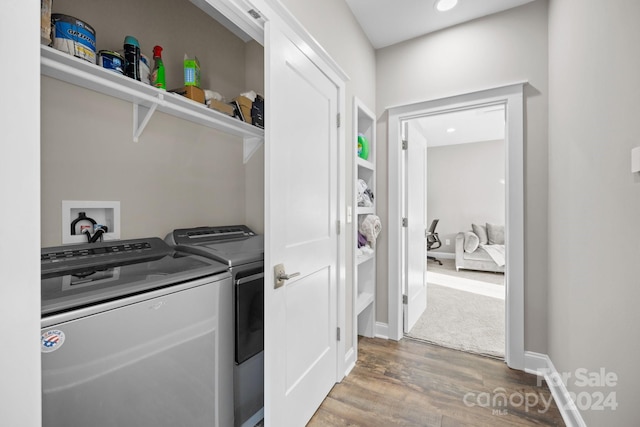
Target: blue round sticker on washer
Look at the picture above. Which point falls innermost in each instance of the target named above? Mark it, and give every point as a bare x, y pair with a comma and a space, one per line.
51, 340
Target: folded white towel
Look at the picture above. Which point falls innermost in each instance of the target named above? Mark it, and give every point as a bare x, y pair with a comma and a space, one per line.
370, 228
365, 250
363, 197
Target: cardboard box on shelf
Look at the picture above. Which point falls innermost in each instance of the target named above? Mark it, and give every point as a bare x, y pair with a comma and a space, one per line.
191, 92
223, 107
45, 22
244, 101
245, 105
195, 93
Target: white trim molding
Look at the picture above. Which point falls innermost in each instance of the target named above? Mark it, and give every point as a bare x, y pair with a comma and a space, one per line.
382, 330
541, 365
512, 97
349, 361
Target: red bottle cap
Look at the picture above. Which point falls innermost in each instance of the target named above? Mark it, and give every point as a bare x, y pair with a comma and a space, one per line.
157, 51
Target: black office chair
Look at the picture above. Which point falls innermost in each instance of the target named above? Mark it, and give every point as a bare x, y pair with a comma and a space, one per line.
433, 241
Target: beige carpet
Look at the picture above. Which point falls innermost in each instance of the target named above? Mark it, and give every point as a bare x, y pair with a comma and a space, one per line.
460, 313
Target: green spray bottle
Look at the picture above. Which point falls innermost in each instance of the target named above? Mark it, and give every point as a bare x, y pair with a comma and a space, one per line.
157, 76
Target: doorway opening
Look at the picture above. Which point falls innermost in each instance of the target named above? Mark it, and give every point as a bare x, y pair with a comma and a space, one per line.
511, 97
464, 195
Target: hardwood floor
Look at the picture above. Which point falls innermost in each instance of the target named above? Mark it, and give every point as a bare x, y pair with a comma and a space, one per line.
411, 383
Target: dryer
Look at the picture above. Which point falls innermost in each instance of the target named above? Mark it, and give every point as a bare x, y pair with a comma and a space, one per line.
242, 250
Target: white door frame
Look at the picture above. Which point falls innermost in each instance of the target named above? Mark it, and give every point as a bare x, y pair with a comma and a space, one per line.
511, 96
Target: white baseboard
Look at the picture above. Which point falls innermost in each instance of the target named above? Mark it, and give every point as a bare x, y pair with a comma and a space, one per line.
349, 361
382, 330
444, 255
535, 363
541, 364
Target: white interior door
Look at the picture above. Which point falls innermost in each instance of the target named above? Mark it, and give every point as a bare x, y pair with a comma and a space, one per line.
415, 232
301, 216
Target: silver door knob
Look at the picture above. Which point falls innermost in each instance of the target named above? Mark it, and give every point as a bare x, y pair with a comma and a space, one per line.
280, 275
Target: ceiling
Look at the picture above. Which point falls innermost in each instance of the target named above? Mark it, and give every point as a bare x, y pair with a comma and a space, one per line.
387, 22
472, 125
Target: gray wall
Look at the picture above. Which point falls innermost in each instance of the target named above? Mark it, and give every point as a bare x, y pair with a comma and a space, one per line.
463, 187
492, 51
594, 200
179, 174
254, 169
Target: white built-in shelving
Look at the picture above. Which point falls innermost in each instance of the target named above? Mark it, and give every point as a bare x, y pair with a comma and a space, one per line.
364, 264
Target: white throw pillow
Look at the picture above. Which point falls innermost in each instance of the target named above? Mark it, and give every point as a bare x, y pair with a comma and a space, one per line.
495, 234
471, 241
481, 232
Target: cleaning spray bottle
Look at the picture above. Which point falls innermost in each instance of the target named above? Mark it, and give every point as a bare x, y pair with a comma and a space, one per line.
158, 77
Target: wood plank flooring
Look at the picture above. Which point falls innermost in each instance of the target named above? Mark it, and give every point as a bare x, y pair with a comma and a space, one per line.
412, 383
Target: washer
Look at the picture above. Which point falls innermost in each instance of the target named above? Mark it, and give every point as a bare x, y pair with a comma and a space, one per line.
242, 250
134, 332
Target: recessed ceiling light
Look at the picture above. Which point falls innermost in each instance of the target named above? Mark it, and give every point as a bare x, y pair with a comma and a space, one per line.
451, 130
444, 5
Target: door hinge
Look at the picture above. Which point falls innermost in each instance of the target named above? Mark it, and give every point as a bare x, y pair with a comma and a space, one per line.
338, 120
405, 299
338, 334
338, 226
254, 14
405, 222
405, 144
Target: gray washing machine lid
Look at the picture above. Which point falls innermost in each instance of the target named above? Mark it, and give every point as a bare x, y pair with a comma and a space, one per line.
77, 276
232, 245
